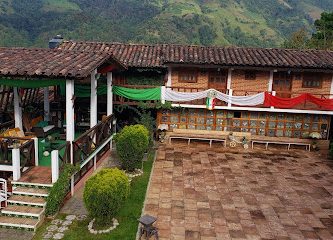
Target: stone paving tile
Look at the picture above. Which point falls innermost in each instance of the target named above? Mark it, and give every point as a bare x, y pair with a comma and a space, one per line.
14, 234
217, 193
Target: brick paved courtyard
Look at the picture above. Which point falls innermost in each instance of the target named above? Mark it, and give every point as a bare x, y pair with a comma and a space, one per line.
202, 193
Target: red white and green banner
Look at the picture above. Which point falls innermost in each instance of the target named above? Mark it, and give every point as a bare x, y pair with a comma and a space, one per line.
211, 95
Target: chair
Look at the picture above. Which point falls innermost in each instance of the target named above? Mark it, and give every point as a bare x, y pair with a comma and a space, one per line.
3, 192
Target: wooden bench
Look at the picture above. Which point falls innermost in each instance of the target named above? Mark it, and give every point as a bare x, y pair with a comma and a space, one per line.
204, 135
283, 141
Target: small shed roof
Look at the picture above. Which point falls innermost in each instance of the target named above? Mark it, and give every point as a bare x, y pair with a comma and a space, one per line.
50, 63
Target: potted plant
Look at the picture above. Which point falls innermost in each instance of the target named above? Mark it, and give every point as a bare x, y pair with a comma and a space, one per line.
315, 136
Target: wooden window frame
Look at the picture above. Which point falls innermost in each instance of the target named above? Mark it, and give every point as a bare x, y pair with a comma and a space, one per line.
222, 75
319, 77
193, 72
250, 75
227, 122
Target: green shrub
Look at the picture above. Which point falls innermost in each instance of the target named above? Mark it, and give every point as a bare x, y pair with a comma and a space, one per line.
59, 190
149, 122
131, 144
104, 193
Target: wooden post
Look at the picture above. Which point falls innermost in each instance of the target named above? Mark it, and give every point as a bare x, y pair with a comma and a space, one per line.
169, 82
93, 99
36, 151
17, 109
70, 128
16, 164
331, 91
109, 94
55, 165
163, 94
270, 81
229, 98
273, 93
46, 104
229, 78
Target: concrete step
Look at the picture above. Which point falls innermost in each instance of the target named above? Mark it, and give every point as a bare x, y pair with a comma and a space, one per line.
30, 191
19, 223
23, 211
27, 200
30, 184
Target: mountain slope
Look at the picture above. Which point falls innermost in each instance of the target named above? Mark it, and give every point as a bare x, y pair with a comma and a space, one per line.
209, 22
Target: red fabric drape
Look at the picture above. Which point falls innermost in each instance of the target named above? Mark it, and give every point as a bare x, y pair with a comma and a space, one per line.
278, 102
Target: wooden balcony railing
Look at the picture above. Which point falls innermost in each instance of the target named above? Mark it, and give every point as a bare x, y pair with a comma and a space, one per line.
26, 147
305, 106
6, 125
89, 142
64, 152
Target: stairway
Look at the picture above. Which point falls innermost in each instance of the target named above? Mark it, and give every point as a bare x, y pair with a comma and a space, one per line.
25, 207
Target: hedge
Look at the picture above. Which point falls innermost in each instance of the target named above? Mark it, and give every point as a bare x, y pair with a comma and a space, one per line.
59, 190
104, 194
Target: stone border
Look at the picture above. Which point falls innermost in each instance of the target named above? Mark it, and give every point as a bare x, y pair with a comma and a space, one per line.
115, 223
148, 186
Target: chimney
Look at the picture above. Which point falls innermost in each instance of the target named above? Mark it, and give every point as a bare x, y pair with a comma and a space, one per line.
55, 42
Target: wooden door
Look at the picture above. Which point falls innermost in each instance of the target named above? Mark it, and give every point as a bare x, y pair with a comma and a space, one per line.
282, 84
218, 80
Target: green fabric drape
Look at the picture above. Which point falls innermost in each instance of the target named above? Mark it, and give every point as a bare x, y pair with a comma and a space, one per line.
31, 83
130, 93
84, 90
138, 94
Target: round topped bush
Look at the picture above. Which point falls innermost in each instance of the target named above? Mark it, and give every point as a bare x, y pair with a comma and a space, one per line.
131, 144
104, 193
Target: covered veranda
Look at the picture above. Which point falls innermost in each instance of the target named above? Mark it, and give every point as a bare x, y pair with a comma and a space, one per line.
50, 110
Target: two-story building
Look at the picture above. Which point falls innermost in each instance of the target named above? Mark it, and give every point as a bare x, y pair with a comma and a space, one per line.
297, 85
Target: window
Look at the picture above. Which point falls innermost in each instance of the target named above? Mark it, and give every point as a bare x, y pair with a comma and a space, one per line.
190, 76
312, 80
218, 79
250, 75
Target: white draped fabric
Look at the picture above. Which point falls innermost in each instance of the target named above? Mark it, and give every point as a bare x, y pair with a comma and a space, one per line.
252, 100
173, 96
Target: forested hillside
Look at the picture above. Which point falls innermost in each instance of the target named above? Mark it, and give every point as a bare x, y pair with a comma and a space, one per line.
209, 22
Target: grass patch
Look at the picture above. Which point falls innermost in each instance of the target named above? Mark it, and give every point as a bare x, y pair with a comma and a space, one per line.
127, 216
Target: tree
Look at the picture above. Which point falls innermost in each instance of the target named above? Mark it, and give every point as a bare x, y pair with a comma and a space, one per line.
298, 40
323, 37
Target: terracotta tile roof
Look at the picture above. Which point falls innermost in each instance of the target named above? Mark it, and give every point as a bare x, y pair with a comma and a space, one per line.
132, 55
158, 55
35, 62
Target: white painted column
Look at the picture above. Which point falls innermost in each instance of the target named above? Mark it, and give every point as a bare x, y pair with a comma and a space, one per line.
36, 151
16, 164
169, 82
70, 130
17, 109
109, 94
229, 98
46, 104
331, 92
93, 99
273, 94
70, 127
163, 94
229, 78
55, 165
270, 81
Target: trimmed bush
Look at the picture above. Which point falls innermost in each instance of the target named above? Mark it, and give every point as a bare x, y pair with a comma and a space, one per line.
104, 193
131, 144
59, 190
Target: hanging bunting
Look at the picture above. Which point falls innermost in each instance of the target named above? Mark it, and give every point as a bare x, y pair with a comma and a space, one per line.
211, 100
279, 102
